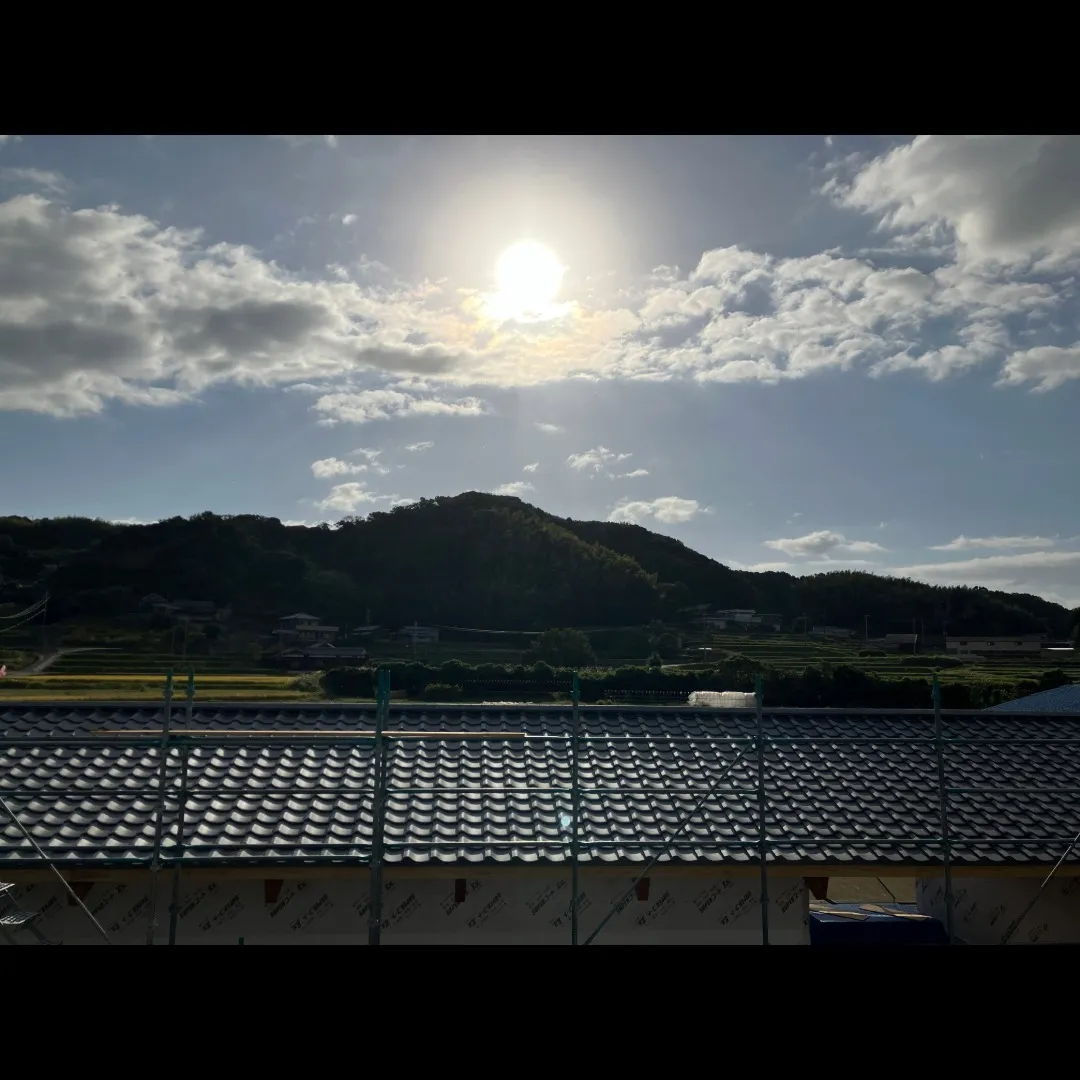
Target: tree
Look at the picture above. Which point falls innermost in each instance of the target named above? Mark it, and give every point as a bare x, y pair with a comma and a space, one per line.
562, 648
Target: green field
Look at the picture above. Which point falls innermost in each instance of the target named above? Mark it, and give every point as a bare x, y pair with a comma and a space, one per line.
131, 672
795, 652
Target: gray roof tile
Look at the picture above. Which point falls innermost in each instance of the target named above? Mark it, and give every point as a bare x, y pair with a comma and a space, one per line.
828, 800
1062, 699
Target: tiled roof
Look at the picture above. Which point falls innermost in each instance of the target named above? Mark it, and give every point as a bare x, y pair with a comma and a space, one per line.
1062, 699
829, 801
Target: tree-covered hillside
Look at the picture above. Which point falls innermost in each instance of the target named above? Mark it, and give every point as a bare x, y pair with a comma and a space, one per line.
472, 560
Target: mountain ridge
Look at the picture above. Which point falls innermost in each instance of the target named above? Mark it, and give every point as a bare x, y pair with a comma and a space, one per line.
472, 559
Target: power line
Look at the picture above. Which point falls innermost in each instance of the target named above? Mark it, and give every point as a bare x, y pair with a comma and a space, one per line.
33, 609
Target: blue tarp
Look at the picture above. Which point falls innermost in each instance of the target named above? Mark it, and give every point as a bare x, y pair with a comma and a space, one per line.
827, 928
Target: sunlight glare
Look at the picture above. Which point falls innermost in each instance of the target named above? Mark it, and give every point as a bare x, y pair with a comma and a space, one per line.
528, 276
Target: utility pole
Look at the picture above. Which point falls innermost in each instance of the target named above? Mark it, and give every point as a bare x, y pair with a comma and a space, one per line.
914, 637
866, 628
44, 629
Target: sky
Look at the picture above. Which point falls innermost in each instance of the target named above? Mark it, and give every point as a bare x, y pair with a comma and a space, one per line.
800, 353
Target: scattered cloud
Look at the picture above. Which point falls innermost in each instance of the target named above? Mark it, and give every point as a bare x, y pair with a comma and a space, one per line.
549, 429
515, 487
52, 182
668, 509
631, 475
365, 452
332, 466
596, 459
419, 447
1054, 575
361, 407
100, 306
531, 467
347, 498
966, 543
1047, 366
1002, 197
823, 543
129, 521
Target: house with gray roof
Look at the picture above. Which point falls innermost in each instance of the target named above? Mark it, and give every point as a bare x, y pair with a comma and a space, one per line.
1062, 699
281, 824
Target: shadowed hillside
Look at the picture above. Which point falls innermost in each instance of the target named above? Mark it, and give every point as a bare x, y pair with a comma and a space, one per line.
472, 560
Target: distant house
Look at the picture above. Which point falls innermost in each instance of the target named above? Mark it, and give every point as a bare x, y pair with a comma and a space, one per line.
197, 611
896, 642
831, 631
303, 628
1012, 645
740, 619
419, 635
321, 655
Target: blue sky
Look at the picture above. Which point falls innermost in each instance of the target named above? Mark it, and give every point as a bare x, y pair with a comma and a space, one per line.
801, 353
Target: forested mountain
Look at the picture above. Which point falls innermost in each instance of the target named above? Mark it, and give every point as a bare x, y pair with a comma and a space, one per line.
472, 560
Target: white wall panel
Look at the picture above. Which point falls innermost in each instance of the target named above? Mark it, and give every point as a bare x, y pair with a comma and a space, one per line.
984, 908
507, 909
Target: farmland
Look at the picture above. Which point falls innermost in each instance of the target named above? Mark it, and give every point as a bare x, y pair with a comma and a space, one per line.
122, 673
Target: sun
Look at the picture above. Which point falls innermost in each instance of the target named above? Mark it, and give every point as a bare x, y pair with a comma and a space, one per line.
528, 276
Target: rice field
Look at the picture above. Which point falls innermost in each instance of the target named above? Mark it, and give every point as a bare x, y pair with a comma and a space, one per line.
151, 687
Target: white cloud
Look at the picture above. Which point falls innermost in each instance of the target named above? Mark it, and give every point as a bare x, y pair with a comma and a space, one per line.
515, 487
531, 467
365, 452
1003, 197
823, 543
966, 543
52, 182
1054, 575
549, 429
1047, 366
595, 459
669, 509
129, 521
632, 475
363, 406
349, 497
100, 306
332, 466
419, 447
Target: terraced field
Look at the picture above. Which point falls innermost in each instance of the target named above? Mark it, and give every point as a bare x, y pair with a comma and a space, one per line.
796, 653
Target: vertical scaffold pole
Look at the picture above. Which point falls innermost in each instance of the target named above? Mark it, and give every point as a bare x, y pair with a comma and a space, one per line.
575, 810
181, 810
943, 805
763, 846
378, 771
159, 828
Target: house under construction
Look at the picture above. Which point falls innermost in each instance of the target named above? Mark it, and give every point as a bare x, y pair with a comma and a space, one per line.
344, 824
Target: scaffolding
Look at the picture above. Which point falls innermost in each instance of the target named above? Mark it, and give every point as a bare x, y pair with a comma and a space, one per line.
173, 748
